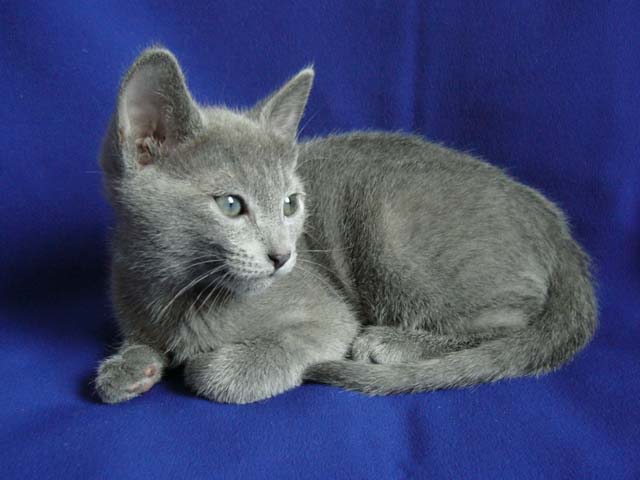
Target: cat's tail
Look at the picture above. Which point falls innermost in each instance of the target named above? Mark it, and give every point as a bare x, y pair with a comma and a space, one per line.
563, 328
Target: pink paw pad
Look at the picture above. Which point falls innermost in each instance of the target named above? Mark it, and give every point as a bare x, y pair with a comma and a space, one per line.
144, 385
141, 386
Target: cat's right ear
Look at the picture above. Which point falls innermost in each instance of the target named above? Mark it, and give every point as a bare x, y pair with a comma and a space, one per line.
155, 109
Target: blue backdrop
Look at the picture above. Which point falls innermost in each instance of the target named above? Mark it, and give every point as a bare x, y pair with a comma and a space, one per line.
547, 90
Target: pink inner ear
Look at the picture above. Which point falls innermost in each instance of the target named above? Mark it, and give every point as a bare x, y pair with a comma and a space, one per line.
146, 106
144, 148
144, 117
147, 126
143, 114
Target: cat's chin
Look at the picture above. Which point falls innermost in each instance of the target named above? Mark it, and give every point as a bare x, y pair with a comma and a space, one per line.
250, 286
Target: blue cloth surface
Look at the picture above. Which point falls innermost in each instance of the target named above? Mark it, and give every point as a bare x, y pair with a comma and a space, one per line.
550, 91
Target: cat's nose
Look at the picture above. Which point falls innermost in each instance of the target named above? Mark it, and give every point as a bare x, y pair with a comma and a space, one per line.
279, 259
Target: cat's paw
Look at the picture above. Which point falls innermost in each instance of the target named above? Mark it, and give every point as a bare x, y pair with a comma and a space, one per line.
128, 374
241, 373
378, 344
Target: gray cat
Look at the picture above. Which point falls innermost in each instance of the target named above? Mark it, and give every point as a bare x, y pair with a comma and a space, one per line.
373, 261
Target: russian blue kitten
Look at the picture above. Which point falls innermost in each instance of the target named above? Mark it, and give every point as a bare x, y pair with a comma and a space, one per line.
373, 261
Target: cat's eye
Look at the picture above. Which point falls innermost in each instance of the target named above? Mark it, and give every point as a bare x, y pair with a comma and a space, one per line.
291, 205
231, 205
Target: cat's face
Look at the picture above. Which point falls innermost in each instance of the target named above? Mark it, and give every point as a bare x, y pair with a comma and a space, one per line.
229, 201
216, 202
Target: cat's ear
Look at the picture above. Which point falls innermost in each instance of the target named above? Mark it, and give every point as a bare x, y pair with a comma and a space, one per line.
283, 110
155, 109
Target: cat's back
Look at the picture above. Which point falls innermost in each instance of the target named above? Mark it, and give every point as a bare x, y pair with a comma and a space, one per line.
389, 160
389, 167
375, 169
377, 151
375, 196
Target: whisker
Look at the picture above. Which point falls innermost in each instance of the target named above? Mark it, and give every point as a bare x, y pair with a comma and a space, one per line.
215, 300
187, 287
187, 265
195, 302
142, 266
213, 285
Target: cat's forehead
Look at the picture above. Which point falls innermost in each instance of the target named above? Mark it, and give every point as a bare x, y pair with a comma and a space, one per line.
238, 153
233, 142
233, 137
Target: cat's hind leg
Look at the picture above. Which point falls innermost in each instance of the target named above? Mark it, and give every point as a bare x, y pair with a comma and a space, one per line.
130, 372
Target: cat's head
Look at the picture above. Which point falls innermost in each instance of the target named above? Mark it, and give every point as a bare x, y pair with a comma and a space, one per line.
207, 193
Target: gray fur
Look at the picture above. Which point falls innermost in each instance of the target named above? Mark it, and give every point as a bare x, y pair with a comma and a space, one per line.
451, 272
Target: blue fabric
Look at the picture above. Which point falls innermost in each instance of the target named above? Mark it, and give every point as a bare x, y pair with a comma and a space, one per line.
547, 90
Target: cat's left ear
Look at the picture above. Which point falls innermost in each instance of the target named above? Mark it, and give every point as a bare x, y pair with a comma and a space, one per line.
155, 109
283, 110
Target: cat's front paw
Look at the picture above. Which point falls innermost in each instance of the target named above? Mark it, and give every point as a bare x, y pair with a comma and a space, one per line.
127, 374
379, 344
241, 373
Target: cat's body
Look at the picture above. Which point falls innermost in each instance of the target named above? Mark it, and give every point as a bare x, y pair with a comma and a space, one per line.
427, 267
464, 275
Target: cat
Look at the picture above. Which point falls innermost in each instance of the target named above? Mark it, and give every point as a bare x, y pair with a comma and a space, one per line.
377, 262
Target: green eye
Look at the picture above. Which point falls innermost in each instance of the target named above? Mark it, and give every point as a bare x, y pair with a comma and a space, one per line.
291, 205
231, 205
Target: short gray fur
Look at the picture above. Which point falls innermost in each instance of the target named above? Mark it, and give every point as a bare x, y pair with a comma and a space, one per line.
413, 267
